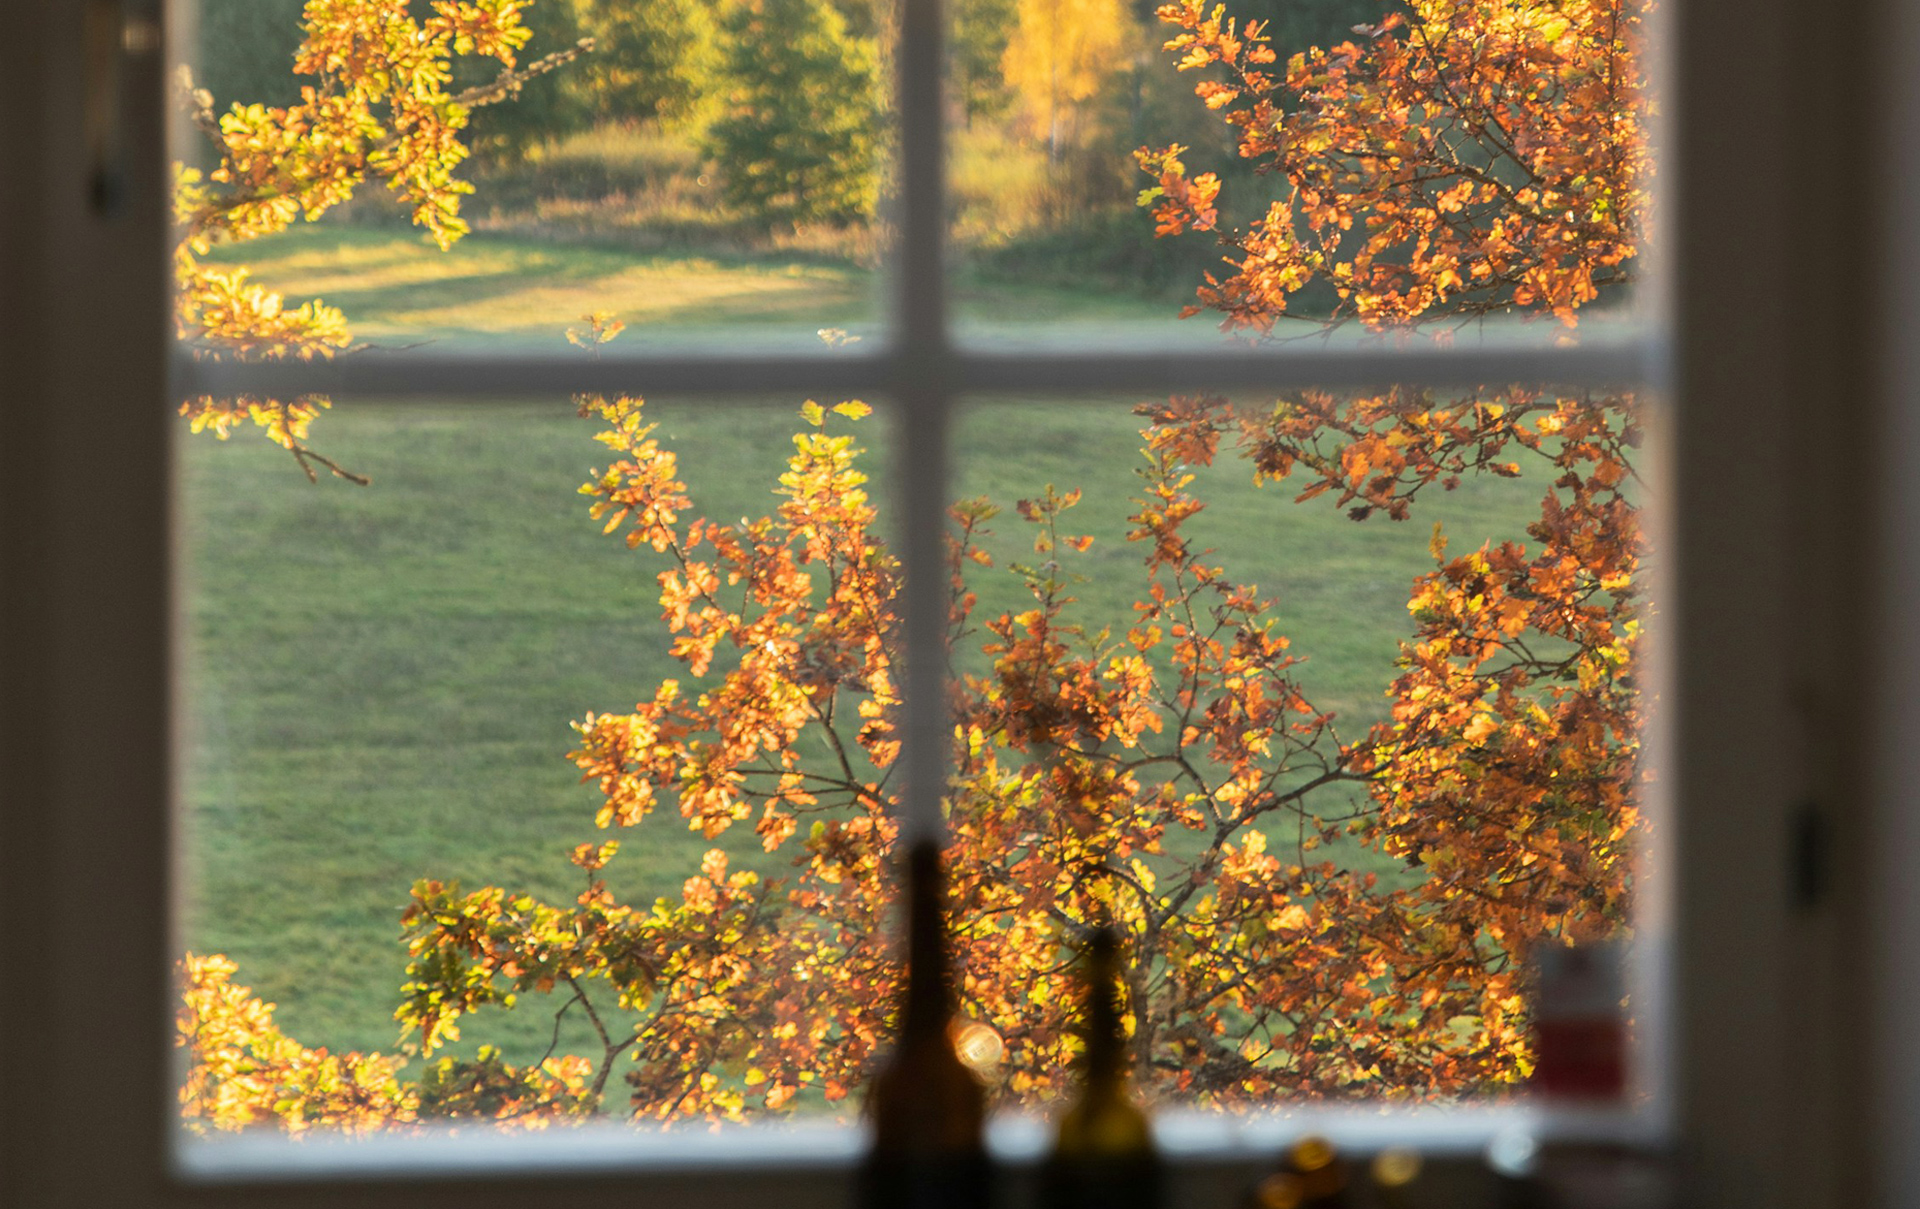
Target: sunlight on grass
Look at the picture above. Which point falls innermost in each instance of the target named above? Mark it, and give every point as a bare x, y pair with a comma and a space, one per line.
498, 291
397, 286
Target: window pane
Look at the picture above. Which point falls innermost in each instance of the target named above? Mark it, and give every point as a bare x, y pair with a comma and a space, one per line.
708, 173
1338, 767
435, 676
1280, 166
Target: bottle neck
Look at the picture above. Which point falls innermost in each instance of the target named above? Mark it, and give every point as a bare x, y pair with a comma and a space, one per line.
1107, 1058
1104, 1125
929, 1002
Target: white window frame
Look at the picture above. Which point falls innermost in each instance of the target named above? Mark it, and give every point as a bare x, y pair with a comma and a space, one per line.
1795, 652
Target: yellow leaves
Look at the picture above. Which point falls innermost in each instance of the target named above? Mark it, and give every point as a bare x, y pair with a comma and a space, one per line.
1073, 759
594, 857
1142, 875
242, 1071
1177, 202
222, 313
1437, 544
378, 108
595, 329
1215, 95
1061, 52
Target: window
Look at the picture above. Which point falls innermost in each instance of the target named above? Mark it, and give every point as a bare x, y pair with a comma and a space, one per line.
86, 642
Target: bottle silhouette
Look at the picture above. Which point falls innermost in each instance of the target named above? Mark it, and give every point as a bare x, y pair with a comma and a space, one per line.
927, 1109
1103, 1155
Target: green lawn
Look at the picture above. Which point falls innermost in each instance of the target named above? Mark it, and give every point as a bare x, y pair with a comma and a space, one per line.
397, 288
380, 680
521, 292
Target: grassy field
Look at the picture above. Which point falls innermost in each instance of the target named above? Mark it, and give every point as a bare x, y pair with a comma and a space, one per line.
380, 680
522, 290
501, 290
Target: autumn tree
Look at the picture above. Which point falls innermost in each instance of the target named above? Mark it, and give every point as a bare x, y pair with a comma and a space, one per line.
1463, 159
797, 137
1141, 778
1079, 755
1163, 773
1060, 55
377, 105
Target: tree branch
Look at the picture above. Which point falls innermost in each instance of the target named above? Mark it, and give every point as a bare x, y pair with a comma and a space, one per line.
507, 85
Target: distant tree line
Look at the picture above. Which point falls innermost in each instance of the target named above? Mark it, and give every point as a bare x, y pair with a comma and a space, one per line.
786, 97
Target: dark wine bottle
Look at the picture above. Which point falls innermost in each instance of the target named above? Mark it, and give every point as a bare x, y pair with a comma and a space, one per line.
927, 1110
1103, 1155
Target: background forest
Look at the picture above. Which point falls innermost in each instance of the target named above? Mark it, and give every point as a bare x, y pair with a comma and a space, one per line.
629, 147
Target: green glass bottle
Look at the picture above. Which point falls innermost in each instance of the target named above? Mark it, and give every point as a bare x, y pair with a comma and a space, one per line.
1103, 1155
927, 1110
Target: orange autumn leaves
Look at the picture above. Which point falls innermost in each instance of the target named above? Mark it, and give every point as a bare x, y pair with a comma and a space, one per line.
802, 602
1509, 774
1462, 158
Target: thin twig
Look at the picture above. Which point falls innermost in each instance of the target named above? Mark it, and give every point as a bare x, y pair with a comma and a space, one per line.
509, 82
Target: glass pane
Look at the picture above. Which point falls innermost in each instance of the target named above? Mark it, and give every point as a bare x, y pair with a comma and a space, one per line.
708, 173
1332, 704
410, 720
1296, 168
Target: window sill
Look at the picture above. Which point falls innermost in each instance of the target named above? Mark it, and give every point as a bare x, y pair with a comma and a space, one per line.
1214, 1157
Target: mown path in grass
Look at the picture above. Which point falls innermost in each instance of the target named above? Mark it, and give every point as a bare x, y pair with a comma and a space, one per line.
380, 680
